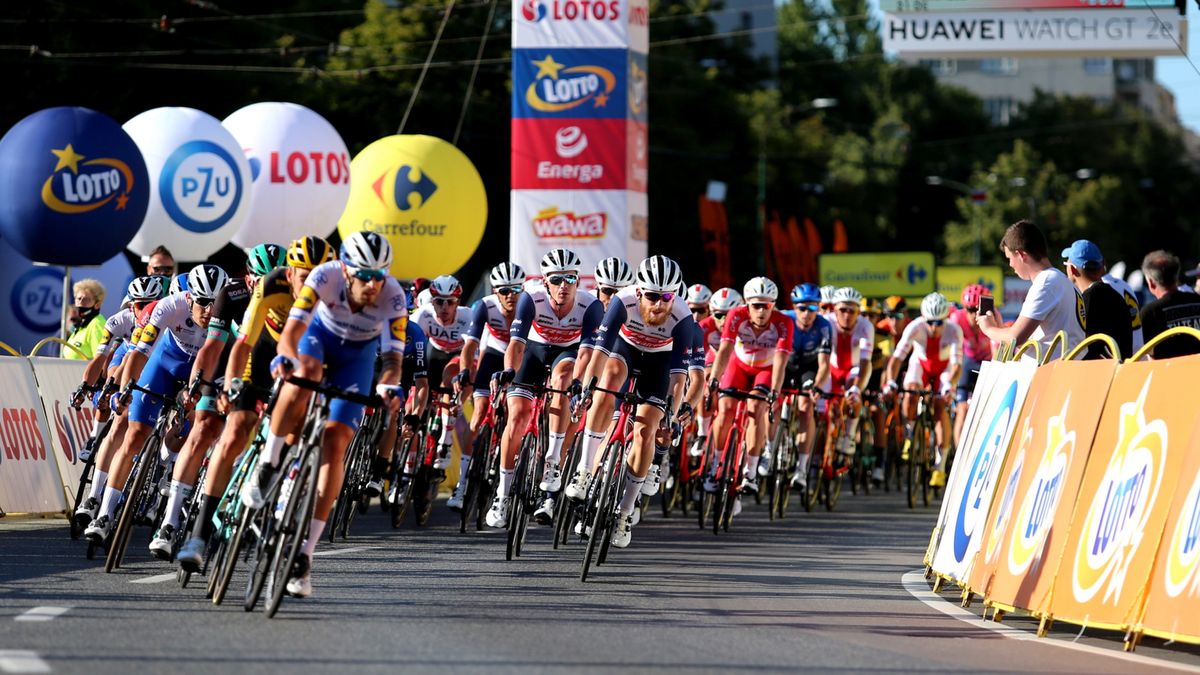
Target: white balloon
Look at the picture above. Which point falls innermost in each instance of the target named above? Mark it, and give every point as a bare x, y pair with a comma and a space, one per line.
200, 178
300, 170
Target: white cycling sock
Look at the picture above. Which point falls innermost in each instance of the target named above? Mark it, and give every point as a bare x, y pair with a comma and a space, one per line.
447, 429
273, 449
633, 488
943, 455
802, 464
96, 424
591, 445
112, 499
908, 430
702, 425
99, 482
751, 468
506, 479
554, 452
462, 471
176, 498
315, 528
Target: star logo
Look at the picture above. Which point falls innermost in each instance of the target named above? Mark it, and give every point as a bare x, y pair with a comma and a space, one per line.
67, 158
547, 67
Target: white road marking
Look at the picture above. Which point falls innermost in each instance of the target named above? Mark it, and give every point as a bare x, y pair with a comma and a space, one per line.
914, 582
156, 579
343, 551
42, 614
22, 661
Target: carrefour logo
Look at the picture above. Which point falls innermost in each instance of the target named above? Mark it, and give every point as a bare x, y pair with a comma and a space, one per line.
80, 185
1183, 552
1116, 518
1036, 514
912, 273
557, 87
973, 506
200, 186
412, 188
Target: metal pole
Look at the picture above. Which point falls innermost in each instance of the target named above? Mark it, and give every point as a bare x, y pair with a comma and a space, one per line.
67, 300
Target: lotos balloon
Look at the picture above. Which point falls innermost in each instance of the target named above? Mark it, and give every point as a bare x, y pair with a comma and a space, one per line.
201, 182
425, 196
73, 187
299, 169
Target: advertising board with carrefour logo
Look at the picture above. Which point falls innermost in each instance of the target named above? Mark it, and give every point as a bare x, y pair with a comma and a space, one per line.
29, 479
880, 274
1027, 525
568, 154
972, 482
593, 223
952, 279
570, 83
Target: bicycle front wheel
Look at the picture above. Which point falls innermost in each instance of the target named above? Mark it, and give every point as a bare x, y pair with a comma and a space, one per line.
296, 518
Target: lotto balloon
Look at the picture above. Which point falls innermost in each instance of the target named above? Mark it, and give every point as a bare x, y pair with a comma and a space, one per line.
200, 178
299, 172
425, 196
73, 187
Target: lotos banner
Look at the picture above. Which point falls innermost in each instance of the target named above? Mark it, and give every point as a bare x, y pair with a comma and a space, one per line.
425, 196
29, 479
69, 428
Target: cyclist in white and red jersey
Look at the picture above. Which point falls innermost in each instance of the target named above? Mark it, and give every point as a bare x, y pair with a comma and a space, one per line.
445, 323
850, 362
936, 346
755, 344
549, 338
723, 301
977, 348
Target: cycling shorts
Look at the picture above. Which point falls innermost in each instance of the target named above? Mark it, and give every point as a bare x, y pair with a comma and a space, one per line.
437, 362
742, 377
539, 360
165, 373
490, 363
800, 371
918, 377
837, 380
654, 372
119, 355
349, 365
966, 381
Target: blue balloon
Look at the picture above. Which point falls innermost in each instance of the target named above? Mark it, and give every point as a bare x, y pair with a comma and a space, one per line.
73, 187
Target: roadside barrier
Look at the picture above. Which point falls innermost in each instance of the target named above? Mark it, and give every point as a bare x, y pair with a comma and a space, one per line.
1088, 510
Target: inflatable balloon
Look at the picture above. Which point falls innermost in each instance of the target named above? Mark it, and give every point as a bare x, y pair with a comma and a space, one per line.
73, 187
299, 168
201, 182
425, 196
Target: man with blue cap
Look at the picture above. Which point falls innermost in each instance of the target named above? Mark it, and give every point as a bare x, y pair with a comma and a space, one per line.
1105, 310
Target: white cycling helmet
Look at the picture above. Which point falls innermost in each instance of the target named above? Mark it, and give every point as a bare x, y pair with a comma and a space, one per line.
424, 298
367, 251
935, 307
698, 294
507, 274
205, 280
146, 289
827, 294
614, 272
846, 294
559, 261
760, 288
445, 286
659, 274
725, 299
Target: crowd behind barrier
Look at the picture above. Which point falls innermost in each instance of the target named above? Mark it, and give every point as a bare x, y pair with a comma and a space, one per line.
1076, 493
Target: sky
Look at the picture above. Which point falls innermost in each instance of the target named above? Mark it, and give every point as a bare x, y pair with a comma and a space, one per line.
1176, 74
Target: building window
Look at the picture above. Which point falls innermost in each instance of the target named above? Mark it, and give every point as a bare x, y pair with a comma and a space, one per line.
941, 67
1002, 66
1097, 66
999, 110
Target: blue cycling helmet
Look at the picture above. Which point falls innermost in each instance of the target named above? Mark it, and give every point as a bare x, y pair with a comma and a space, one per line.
179, 283
805, 293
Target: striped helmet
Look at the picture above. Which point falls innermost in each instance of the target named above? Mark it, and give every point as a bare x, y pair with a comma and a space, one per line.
506, 274
204, 281
614, 272
559, 260
658, 273
146, 289
263, 258
307, 252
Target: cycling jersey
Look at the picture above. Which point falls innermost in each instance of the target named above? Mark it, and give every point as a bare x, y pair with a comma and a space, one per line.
229, 307
325, 293
808, 344
415, 349
699, 352
447, 339
268, 307
712, 339
976, 346
757, 348
118, 328
489, 327
849, 349
624, 318
535, 311
173, 314
140, 322
932, 355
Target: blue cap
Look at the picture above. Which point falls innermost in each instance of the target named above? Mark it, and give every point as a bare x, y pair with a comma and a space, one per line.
1084, 255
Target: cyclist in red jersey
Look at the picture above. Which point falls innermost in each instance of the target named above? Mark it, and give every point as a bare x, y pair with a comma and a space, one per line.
850, 363
720, 305
758, 337
977, 348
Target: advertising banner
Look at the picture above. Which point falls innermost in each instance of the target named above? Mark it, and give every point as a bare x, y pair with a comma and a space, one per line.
590, 222
570, 83
1127, 489
69, 428
1015, 290
637, 155
576, 23
1121, 33
29, 479
976, 5
880, 274
952, 279
569, 154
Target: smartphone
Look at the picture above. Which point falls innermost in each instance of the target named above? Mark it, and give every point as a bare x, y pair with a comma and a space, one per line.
986, 304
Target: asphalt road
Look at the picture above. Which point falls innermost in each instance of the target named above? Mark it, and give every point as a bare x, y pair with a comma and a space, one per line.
816, 592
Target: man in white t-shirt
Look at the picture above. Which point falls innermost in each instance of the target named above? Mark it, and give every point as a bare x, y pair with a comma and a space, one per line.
1052, 305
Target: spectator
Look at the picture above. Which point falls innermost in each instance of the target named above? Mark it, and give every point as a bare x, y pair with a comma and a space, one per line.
87, 323
1103, 307
1132, 305
1052, 304
161, 262
1171, 308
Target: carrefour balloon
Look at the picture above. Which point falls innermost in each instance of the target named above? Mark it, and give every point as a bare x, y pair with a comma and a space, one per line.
73, 187
299, 172
201, 182
425, 196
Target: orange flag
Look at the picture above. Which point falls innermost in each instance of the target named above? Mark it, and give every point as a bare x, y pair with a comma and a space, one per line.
714, 235
840, 243
797, 253
815, 248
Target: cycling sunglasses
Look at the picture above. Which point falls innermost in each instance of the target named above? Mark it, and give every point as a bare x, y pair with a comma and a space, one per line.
368, 275
808, 308
442, 302
847, 310
609, 290
560, 279
719, 315
508, 290
700, 310
760, 305
934, 323
658, 297
203, 302
971, 310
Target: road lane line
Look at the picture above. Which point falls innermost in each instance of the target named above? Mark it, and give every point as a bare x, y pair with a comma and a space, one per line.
914, 582
22, 661
156, 579
343, 551
42, 614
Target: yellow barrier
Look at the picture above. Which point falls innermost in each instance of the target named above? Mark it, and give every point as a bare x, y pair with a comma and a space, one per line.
1091, 340
10, 350
59, 341
1059, 339
1037, 351
1158, 339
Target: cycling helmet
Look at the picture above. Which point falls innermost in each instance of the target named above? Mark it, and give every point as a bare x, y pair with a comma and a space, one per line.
205, 280
506, 274
846, 294
972, 293
895, 303
420, 284
445, 286
725, 299
760, 287
367, 251
263, 258
870, 306
146, 289
614, 272
424, 298
827, 294
698, 294
935, 307
802, 293
307, 252
659, 274
559, 260
178, 284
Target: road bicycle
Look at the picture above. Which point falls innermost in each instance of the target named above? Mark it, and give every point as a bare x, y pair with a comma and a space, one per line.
783, 462
727, 470
353, 499
526, 495
919, 467
827, 467
90, 450
484, 473
414, 480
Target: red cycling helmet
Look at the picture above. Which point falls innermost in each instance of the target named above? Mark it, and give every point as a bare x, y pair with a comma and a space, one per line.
972, 293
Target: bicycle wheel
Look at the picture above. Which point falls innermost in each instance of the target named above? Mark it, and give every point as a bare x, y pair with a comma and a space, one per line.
263, 523
516, 508
913, 468
564, 508
594, 514
134, 488
475, 475
296, 518
926, 470
836, 478
403, 485
85, 480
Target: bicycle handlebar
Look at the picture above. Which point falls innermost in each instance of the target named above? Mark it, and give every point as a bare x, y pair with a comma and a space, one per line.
335, 392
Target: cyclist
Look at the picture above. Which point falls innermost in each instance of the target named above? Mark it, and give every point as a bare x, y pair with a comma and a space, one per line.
755, 344
812, 342
248, 374
160, 366
698, 297
827, 304
552, 323
336, 323
486, 338
724, 301
642, 327
612, 274
936, 346
445, 323
873, 311
977, 348
850, 361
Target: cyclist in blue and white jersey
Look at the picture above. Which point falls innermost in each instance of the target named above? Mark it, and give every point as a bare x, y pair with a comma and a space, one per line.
612, 275
812, 343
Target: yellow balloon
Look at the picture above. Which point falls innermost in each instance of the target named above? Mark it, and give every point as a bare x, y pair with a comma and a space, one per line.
425, 196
